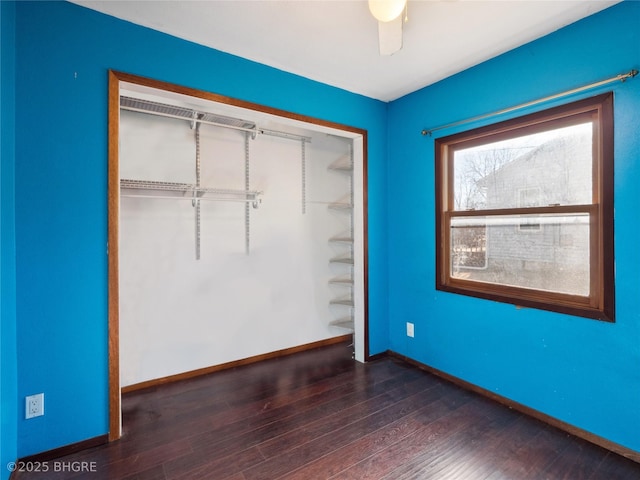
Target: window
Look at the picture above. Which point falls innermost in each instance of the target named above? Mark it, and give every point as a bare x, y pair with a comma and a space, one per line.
529, 197
525, 210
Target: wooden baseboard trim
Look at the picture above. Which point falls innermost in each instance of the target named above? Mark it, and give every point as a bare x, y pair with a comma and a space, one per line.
571, 429
237, 363
66, 450
377, 356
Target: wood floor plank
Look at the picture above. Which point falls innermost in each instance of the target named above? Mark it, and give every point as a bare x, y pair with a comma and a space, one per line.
268, 423
500, 455
532, 450
320, 415
349, 432
615, 467
196, 466
428, 452
343, 412
341, 459
153, 473
578, 462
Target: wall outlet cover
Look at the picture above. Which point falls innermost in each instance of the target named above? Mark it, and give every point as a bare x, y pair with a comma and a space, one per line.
34, 406
410, 330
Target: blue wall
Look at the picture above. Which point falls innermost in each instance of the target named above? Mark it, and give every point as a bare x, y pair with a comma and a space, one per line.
8, 356
584, 372
581, 371
63, 52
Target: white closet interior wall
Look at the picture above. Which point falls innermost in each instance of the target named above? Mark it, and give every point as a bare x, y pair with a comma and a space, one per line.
179, 314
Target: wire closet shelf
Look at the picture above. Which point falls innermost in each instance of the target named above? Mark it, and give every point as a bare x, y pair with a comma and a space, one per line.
171, 190
154, 189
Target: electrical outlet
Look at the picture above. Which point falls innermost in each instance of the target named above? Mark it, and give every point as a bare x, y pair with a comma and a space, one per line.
34, 405
410, 330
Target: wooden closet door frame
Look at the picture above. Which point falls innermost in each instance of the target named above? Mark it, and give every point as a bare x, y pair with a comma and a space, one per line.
113, 217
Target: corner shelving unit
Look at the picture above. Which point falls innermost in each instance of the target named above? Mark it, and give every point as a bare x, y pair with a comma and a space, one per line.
345, 260
344, 244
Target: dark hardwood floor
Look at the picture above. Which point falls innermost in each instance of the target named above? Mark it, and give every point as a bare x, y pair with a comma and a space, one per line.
321, 415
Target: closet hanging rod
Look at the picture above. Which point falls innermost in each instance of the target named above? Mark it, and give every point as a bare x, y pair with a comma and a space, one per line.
290, 136
180, 117
184, 191
621, 77
181, 113
210, 198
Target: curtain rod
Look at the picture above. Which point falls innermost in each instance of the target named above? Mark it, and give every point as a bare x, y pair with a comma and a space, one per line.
622, 77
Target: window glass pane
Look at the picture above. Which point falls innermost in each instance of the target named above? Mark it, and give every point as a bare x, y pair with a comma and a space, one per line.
548, 168
543, 252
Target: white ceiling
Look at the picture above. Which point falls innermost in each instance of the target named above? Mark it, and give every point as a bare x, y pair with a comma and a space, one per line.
336, 42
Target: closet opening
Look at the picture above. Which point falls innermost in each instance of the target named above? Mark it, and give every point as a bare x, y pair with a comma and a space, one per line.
237, 232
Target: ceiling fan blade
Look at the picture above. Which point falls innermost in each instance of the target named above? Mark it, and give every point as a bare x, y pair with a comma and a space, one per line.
390, 36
